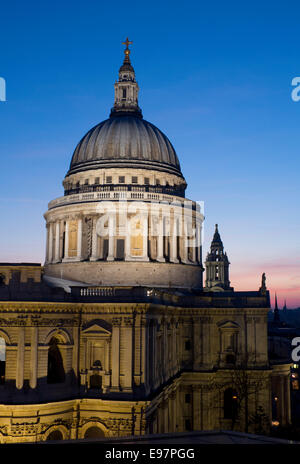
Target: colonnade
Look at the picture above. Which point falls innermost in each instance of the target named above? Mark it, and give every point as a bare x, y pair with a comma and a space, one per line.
144, 237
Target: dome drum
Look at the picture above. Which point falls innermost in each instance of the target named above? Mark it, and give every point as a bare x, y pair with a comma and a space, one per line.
122, 274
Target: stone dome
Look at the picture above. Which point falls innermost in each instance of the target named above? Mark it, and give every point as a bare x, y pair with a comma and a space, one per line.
126, 141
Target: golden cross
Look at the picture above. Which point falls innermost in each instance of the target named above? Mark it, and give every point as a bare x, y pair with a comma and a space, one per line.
127, 42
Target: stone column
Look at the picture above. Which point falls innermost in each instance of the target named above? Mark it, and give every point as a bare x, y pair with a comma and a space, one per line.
144, 367
34, 357
94, 255
183, 240
106, 367
145, 238
111, 240
79, 238
127, 243
196, 408
66, 254
192, 239
75, 351
198, 243
128, 354
160, 241
206, 354
61, 241
20, 358
50, 246
47, 244
173, 244
115, 361
56, 256
172, 412
174, 346
196, 344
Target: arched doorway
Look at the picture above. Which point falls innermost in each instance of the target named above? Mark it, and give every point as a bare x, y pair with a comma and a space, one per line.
94, 432
55, 435
56, 371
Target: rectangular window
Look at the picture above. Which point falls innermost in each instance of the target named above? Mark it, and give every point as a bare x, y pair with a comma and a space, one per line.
134, 180
120, 255
86, 182
157, 182
188, 425
105, 248
187, 345
108, 179
187, 397
147, 181
97, 181
121, 179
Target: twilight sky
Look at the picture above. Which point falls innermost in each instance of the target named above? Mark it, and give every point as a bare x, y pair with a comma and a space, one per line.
214, 76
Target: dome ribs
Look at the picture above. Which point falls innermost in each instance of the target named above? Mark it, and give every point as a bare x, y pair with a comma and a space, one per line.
128, 140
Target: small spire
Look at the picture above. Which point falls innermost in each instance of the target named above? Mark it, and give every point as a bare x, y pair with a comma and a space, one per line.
284, 308
276, 311
216, 237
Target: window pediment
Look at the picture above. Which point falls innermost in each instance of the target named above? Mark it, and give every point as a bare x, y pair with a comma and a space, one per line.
98, 328
228, 325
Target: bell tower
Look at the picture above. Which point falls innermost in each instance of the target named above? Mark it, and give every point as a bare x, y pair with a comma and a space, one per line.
126, 88
217, 266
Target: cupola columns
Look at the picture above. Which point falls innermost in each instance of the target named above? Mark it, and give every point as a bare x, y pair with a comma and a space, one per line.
126, 88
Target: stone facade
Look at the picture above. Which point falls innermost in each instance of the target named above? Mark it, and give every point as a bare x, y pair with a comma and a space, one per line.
150, 361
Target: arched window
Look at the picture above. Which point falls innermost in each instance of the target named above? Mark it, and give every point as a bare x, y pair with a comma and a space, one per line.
55, 435
2, 360
230, 404
94, 432
124, 93
56, 372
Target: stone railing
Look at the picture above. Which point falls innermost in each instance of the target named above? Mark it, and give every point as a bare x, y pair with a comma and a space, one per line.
113, 196
97, 291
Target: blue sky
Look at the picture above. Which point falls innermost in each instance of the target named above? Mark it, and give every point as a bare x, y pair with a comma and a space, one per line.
214, 76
